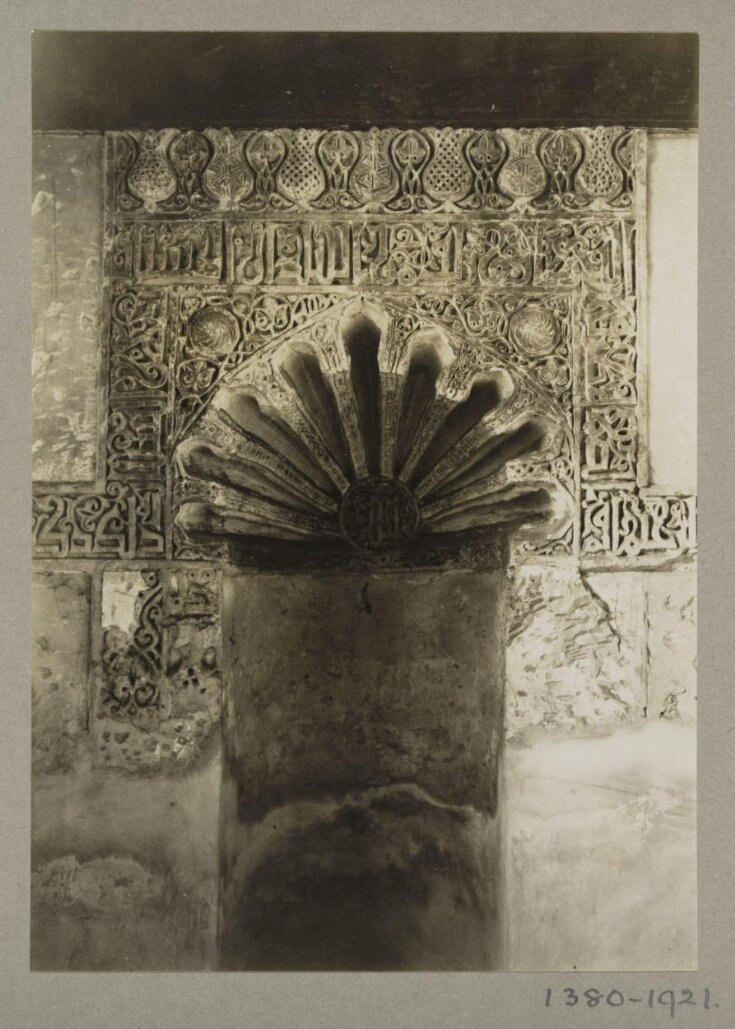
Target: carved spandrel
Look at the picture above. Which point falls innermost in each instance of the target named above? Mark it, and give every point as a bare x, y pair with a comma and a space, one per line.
218, 331
476, 313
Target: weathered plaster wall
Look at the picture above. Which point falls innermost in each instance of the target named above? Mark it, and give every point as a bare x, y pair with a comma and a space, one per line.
124, 854
601, 850
67, 304
672, 308
125, 870
601, 769
61, 617
363, 731
601, 682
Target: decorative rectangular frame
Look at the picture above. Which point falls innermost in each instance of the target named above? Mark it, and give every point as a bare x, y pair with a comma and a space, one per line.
464, 226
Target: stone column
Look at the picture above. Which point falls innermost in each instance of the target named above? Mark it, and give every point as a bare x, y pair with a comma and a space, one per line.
363, 726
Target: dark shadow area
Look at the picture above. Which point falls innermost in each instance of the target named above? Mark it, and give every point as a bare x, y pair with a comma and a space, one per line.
119, 80
362, 340
303, 372
419, 392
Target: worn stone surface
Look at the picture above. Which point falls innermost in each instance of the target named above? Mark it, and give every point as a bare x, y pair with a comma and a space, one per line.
363, 725
575, 661
671, 613
125, 871
383, 880
113, 914
60, 603
602, 851
67, 303
337, 683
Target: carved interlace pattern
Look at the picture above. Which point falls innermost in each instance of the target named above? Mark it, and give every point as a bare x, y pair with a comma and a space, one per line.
522, 242
132, 667
139, 663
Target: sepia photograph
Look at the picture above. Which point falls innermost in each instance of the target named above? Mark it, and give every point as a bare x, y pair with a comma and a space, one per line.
364, 611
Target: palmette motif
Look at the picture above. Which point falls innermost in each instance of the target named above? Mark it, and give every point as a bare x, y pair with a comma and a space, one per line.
150, 177
379, 170
227, 177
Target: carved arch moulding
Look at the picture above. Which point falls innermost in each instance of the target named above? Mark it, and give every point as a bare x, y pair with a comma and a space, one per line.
505, 261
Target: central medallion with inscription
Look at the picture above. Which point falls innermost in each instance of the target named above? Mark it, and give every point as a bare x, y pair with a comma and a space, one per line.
378, 513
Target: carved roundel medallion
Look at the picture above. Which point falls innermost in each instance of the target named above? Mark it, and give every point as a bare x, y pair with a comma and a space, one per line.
534, 330
213, 330
378, 513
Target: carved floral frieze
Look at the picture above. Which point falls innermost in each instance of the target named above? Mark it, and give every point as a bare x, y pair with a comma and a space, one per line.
413, 171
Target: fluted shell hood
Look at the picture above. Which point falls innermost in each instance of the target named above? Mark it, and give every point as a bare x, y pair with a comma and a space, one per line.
364, 432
